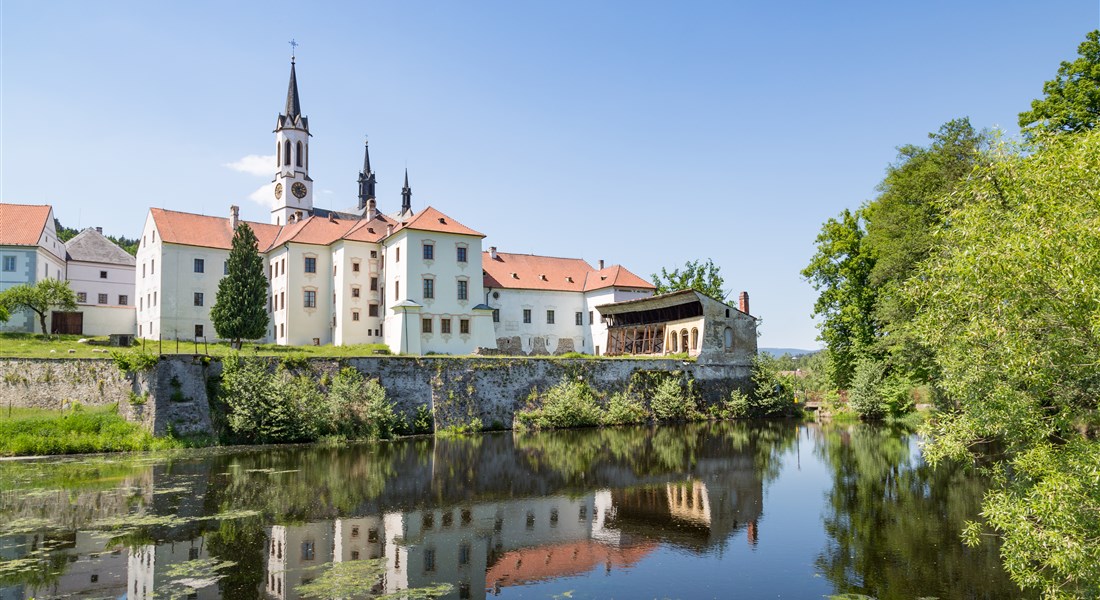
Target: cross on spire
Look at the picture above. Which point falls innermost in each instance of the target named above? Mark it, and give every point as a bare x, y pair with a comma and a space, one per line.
293, 48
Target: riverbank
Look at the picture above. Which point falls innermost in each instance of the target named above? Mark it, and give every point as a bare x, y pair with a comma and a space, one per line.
76, 430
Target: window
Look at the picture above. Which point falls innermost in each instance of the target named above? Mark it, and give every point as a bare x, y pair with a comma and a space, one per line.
152, 266
200, 265
103, 274
374, 254
311, 264
355, 292
461, 254
192, 553
580, 318
282, 329
282, 300
372, 536
429, 251
527, 315
154, 298
142, 270
123, 300
397, 290
298, 156
445, 327
496, 315
355, 267
397, 257
103, 298
429, 288
198, 331
82, 297
549, 317
225, 267
464, 553
309, 300
308, 550
464, 326
463, 289
426, 325
694, 339
198, 298
286, 152
355, 555
429, 560
374, 284
354, 315
372, 310
590, 321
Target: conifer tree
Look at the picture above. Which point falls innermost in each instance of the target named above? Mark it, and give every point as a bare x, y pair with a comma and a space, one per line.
240, 311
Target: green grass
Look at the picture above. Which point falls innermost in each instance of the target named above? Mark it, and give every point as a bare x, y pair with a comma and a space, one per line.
30, 431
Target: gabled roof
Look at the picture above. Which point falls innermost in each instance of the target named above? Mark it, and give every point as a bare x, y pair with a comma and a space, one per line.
23, 224
369, 231
431, 219
615, 276
91, 246
531, 272
314, 230
204, 231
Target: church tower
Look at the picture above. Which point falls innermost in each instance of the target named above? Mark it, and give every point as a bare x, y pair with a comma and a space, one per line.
367, 202
293, 186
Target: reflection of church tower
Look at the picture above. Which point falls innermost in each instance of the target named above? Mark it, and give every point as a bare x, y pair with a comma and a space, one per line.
293, 187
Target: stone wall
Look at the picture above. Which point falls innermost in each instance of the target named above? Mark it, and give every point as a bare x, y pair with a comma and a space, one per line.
458, 390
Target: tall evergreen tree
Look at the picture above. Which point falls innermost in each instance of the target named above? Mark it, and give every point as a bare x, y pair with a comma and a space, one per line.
239, 311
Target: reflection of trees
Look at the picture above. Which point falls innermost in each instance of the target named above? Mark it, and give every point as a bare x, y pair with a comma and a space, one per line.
894, 522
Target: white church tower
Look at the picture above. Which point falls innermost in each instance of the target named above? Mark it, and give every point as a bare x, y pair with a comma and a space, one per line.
293, 187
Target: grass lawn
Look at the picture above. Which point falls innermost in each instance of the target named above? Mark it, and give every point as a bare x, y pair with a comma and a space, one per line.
29, 431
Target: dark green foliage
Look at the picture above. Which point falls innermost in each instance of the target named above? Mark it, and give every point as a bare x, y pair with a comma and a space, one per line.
697, 275
134, 361
865, 396
570, 403
265, 407
625, 408
40, 298
240, 311
423, 422
670, 401
358, 409
78, 430
1071, 102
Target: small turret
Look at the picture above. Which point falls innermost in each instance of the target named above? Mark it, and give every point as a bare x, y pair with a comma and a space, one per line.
406, 196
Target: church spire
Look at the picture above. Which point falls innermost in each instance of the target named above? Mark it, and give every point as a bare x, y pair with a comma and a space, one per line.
293, 105
406, 195
366, 180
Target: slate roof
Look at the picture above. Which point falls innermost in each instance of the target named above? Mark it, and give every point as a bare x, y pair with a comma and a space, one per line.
91, 246
22, 224
550, 273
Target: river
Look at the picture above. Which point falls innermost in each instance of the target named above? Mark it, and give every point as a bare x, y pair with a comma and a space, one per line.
713, 510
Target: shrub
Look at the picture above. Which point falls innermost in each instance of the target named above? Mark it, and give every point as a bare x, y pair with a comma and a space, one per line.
671, 402
423, 422
265, 407
570, 403
865, 395
134, 361
358, 408
625, 408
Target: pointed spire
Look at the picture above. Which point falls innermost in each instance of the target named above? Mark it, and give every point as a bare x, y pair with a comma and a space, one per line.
406, 194
366, 179
366, 156
293, 105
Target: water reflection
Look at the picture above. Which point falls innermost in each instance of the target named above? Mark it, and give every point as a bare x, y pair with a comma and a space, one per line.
497, 514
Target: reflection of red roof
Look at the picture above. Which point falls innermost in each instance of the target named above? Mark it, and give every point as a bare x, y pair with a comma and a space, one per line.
22, 224
208, 232
431, 219
561, 560
531, 272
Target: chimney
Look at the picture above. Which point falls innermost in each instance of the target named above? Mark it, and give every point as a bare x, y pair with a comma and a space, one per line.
601, 264
234, 216
331, 218
743, 302
372, 209
389, 229
492, 252
99, 230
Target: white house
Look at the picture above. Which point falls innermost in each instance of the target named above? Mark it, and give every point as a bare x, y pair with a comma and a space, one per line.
102, 276
29, 252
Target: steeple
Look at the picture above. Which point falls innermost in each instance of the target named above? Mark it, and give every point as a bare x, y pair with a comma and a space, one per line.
293, 105
293, 185
366, 181
406, 195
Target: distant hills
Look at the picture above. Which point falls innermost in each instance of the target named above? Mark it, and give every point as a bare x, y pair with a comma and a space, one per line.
777, 352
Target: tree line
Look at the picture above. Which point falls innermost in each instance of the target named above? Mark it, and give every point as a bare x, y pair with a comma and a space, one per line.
975, 273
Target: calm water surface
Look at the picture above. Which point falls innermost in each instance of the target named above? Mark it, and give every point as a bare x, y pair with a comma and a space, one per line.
729, 510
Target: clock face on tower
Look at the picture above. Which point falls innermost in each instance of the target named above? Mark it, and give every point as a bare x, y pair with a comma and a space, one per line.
278, 191
298, 189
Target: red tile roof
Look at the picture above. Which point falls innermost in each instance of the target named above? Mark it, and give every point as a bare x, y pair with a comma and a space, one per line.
431, 219
560, 560
531, 272
208, 232
22, 224
369, 231
318, 231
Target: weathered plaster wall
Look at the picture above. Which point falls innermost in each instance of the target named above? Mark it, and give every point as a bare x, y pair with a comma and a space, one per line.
458, 390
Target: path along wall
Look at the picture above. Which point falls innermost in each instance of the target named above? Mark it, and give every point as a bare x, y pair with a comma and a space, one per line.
174, 394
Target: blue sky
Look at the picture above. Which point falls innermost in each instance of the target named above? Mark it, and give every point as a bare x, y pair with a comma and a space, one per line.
642, 133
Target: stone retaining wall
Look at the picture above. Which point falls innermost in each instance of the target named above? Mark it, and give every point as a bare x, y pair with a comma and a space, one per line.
172, 396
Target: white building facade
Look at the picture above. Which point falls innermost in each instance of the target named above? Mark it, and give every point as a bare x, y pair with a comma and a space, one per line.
30, 251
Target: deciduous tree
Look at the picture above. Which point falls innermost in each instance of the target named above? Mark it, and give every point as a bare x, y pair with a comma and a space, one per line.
1071, 101
697, 275
39, 298
240, 308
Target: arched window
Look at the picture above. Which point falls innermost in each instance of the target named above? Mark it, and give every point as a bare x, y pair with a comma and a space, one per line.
286, 152
729, 339
683, 340
672, 342
694, 339
298, 156
278, 154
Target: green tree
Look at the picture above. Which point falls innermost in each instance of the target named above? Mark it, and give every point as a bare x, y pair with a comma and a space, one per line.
1010, 305
840, 271
240, 309
1071, 102
40, 298
697, 275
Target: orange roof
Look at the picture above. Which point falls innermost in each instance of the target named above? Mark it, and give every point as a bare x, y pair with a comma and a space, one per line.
615, 275
561, 560
208, 232
314, 230
369, 231
531, 272
431, 219
22, 224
